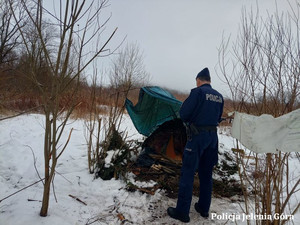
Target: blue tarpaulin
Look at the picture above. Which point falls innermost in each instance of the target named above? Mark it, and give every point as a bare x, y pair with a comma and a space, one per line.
155, 106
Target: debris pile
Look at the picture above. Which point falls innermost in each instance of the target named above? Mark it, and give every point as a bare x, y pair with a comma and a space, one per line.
160, 161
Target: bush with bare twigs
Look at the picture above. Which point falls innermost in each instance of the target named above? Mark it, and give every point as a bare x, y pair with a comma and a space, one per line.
264, 79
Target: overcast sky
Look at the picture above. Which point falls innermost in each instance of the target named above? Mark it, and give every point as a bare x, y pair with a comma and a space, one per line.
179, 38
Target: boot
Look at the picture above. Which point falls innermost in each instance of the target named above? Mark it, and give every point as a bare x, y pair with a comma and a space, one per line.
178, 216
203, 214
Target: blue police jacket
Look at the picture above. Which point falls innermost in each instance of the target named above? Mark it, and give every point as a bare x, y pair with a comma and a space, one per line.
203, 107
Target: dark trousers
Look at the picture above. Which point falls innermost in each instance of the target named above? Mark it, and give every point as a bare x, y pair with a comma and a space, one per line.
201, 152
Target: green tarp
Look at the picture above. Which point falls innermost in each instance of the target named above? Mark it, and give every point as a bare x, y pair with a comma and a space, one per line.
155, 106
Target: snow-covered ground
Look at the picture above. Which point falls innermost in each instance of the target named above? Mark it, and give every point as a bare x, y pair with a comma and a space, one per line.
106, 201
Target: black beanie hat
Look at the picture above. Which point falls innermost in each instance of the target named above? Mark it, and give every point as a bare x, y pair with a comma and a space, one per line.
204, 74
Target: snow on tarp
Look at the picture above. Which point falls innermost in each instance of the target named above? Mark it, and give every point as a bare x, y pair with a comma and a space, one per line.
266, 134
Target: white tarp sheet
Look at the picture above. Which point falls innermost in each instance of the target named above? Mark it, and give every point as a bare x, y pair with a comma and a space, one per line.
266, 134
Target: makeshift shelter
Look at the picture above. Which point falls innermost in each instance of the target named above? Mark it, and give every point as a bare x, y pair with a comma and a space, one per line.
156, 115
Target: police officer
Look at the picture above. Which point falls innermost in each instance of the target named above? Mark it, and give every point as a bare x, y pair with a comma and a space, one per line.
201, 112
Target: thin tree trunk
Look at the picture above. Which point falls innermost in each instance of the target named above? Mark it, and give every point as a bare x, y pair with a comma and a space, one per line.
47, 145
46, 195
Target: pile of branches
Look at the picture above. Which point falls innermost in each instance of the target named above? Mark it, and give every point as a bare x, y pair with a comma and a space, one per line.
166, 173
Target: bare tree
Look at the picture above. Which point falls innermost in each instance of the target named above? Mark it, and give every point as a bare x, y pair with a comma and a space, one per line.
93, 124
127, 74
9, 43
79, 27
128, 69
262, 71
9, 35
264, 64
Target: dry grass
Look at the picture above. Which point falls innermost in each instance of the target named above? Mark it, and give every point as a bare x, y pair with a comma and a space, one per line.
17, 100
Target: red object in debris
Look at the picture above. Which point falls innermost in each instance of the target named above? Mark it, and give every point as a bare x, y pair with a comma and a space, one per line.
169, 139
170, 151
